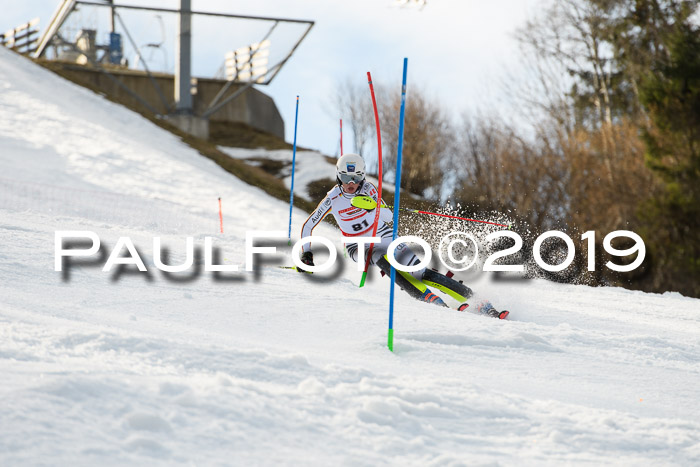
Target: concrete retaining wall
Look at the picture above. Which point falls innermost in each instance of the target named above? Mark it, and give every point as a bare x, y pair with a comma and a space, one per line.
252, 107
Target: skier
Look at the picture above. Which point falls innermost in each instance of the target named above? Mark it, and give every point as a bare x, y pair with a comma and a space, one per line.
358, 222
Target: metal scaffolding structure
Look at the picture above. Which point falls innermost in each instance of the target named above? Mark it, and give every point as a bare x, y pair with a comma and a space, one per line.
183, 55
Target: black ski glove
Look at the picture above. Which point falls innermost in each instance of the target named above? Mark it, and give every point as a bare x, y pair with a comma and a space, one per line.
307, 258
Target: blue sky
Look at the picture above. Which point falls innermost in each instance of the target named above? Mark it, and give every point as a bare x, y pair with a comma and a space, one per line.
458, 51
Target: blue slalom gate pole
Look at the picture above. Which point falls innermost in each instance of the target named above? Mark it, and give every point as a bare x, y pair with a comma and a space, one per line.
397, 199
294, 159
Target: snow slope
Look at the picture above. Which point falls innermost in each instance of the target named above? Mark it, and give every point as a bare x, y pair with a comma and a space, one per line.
274, 367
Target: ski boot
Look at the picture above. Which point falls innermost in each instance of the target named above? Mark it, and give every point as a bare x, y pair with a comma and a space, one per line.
430, 297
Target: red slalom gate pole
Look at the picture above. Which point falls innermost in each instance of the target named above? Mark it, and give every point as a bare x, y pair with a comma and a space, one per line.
379, 188
221, 217
367, 202
345, 250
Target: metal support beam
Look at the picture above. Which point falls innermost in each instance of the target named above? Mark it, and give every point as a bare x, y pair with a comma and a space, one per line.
271, 76
203, 13
111, 16
214, 106
57, 20
183, 60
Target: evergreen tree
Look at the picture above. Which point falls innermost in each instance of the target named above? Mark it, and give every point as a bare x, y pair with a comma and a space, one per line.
670, 94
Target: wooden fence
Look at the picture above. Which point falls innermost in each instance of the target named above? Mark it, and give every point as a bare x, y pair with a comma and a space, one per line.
22, 39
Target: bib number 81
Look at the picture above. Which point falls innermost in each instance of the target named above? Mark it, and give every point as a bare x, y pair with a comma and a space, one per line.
360, 225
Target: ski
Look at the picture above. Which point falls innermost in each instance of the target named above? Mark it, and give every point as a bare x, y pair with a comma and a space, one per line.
485, 308
461, 293
434, 281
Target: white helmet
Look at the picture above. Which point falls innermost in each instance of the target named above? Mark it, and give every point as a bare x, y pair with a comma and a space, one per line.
350, 168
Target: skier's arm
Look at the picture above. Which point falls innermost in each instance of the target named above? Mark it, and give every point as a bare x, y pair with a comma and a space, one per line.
385, 214
321, 211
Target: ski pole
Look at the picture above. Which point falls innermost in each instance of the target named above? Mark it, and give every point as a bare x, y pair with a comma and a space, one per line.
294, 268
365, 202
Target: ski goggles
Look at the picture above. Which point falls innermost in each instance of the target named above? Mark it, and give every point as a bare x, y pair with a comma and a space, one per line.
347, 178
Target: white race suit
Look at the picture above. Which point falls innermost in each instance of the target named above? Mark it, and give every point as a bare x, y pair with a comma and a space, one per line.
358, 222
